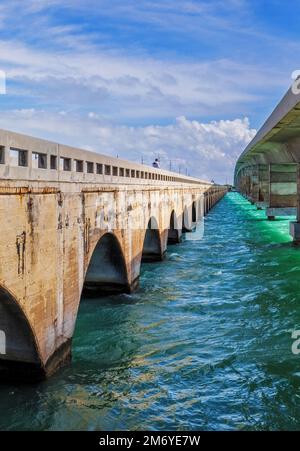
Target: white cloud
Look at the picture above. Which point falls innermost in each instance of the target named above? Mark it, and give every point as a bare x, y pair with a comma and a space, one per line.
78, 82
207, 150
129, 88
73, 67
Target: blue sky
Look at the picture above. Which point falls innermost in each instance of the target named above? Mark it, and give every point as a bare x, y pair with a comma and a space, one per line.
189, 81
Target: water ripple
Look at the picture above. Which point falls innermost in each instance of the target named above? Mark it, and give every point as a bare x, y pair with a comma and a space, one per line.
205, 343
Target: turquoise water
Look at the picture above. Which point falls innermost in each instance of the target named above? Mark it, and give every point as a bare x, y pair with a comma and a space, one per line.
205, 343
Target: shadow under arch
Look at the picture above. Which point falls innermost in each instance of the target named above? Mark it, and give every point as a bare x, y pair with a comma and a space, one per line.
194, 212
174, 234
152, 251
107, 272
19, 356
187, 225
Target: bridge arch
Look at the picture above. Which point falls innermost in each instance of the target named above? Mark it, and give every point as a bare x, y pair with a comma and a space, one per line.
174, 232
19, 355
152, 246
107, 272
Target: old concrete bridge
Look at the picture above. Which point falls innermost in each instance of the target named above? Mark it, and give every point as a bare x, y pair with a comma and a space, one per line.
69, 219
268, 171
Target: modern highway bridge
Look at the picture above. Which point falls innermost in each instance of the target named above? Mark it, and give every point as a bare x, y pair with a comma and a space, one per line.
268, 171
72, 219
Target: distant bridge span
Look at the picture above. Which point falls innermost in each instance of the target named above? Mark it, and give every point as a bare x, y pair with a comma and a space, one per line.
72, 219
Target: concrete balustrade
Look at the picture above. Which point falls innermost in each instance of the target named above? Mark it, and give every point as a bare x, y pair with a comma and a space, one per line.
27, 158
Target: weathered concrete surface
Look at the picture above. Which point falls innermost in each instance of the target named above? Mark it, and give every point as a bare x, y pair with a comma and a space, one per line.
62, 230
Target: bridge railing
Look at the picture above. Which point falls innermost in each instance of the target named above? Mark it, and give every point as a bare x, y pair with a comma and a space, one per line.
26, 158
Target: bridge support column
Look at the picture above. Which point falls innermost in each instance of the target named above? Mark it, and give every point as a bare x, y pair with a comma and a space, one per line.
255, 183
208, 202
154, 248
247, 182
252, 184
205, 203
174, 236
295, 226
174, 232
262, 192
282, 190
244, 182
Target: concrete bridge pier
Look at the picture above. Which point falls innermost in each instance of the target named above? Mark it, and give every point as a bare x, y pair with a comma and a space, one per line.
256, 186
272, 187
209, 200
282, 190
243, 182
262, 193
175, 231
153, 249
295, 225
190, 217
205, 203
251, 183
